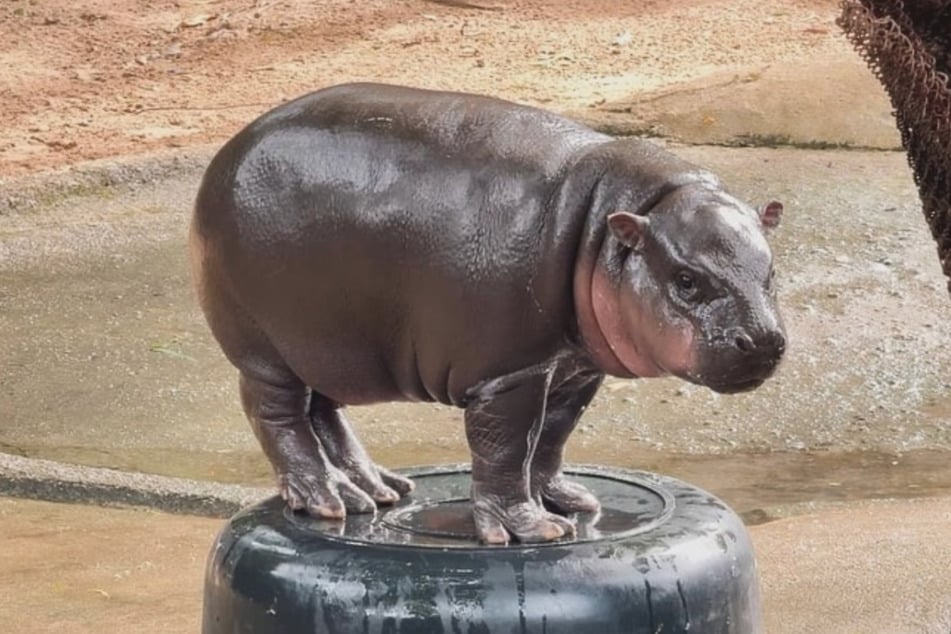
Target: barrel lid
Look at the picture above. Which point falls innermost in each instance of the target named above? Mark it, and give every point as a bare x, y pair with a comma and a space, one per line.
438, 513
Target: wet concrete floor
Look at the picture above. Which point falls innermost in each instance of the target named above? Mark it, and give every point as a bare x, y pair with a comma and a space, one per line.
105, 359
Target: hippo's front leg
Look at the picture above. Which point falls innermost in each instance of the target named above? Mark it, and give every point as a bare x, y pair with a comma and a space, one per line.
504, 421
567, 400
346, 452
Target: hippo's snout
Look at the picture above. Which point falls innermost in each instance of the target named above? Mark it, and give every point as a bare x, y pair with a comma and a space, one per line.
741, 359
769, 344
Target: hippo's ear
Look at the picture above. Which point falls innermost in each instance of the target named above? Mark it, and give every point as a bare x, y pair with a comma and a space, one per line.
769, 214
629, 229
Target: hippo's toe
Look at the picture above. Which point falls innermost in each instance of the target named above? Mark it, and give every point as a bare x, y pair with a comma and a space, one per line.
565, 496
527, 522
329, 497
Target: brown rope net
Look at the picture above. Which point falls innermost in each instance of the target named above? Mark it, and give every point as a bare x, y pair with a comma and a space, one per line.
909, 50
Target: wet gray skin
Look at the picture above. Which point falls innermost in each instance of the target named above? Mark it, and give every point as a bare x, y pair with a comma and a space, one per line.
371, 243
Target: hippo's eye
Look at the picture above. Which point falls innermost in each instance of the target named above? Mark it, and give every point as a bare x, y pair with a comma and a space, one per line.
686, 285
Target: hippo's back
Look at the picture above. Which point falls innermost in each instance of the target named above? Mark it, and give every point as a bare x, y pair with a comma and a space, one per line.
372, 125
402, 236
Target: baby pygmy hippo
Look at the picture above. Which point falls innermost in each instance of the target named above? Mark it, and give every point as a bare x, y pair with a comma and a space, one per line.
370, 243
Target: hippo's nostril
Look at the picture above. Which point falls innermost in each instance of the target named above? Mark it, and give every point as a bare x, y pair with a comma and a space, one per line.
744, 342
779, 343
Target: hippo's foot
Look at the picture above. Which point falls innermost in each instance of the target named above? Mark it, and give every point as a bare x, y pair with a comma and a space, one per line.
528, 522
346, 453
562, 495
329, 495
384, 486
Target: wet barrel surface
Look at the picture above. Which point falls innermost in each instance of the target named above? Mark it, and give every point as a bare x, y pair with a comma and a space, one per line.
661, 556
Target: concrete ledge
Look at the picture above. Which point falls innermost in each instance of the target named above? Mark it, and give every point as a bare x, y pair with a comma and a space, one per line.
102, 177
56, 482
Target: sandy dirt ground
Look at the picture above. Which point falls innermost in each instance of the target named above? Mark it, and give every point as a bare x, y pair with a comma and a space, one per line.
83, 570
85, 80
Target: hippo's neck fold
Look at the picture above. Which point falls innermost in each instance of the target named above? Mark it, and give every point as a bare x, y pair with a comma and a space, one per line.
592, 335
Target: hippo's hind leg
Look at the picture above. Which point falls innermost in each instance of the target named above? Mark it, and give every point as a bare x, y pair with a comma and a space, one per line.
275, 401
504, 420
346, 452
276, 406
567, 400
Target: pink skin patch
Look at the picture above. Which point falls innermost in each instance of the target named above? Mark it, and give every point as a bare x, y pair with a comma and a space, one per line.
640, 342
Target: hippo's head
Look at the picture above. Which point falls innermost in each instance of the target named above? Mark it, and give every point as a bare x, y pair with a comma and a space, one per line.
688, 290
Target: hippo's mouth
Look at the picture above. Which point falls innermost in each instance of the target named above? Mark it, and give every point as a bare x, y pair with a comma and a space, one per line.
725, 383
735, 387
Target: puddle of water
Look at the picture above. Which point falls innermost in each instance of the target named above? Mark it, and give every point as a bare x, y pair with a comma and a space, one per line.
761, 487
